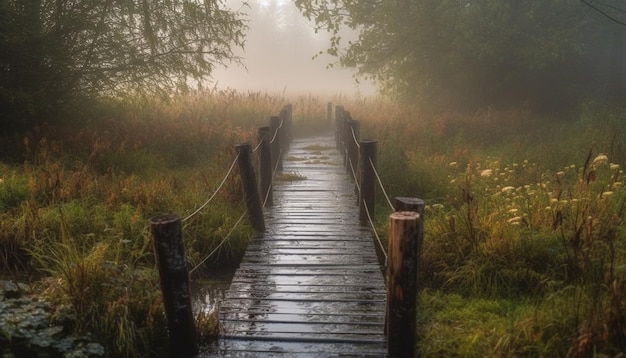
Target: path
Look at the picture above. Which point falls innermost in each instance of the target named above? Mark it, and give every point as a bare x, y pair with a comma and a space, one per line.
312, 286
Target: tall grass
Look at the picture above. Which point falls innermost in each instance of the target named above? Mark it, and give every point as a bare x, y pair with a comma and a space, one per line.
75, 202
524, 233
525, 214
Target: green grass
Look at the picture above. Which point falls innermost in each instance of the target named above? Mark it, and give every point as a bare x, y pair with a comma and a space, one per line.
75, 211
525, 241
524, 231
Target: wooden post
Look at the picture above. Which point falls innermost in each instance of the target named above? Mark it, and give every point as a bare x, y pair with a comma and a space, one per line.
347, 137
402, 263
417, 205
339, 126
367, 194
275, 143
251, 191
170, 259
265, 166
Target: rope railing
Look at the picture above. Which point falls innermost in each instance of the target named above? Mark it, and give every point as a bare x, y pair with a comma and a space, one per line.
405, 237
380, 184
258, 145
230, 170
367, 178
276, 133
267, 194
167, 229
360, 156
254, 213
356, 181
226, 238
378, 240
356, 141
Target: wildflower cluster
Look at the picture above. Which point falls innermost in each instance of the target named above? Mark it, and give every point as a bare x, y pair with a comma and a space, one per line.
518, 230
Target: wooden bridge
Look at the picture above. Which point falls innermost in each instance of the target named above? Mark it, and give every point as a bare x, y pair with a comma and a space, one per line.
312, 285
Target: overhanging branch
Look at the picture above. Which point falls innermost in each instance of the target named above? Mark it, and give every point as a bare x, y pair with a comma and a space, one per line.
604, 13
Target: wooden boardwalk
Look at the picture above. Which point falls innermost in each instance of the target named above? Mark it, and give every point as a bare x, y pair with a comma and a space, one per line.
312, 285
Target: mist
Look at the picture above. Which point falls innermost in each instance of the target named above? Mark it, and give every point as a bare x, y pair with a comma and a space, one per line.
279, 56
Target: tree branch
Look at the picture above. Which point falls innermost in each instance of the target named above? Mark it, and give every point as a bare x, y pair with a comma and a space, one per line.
604, 13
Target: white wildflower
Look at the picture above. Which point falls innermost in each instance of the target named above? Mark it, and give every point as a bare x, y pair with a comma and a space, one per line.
607, 194
515, 220
453, 164
486, 173
600, 159
614, 166
508, 189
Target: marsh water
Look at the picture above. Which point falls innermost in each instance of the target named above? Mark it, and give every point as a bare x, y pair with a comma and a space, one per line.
208, 292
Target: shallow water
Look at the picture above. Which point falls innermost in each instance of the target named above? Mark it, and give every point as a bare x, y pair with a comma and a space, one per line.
207, 293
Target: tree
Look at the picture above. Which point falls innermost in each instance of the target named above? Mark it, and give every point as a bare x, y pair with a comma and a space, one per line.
55, 51
469, 53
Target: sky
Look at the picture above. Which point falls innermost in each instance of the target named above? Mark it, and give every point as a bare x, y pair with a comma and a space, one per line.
278, 56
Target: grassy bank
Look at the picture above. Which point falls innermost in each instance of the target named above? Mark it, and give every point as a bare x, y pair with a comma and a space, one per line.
525, 240
75, 202
524, 251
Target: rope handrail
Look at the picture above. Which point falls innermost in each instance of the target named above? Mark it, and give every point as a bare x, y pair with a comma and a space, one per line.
230, 170
269, 190
356, 182
275, 169
380, 183
219, 245
262, 140
280, 153
276, 132
258, 145
356, 141
236, 224
371, 222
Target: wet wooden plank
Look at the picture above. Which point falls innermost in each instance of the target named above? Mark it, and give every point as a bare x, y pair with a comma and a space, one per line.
263, 349
293, 288
360, 319
312, 285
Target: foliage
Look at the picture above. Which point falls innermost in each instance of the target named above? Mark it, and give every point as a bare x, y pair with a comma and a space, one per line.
524, 226
55, 54
524, 250
117, 303
472, 54
76, 202
13, 191
31, 327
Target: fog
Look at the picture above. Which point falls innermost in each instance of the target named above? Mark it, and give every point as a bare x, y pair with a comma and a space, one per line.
278, 56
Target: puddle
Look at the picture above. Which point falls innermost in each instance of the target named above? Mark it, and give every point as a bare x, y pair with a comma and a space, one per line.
207, 293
